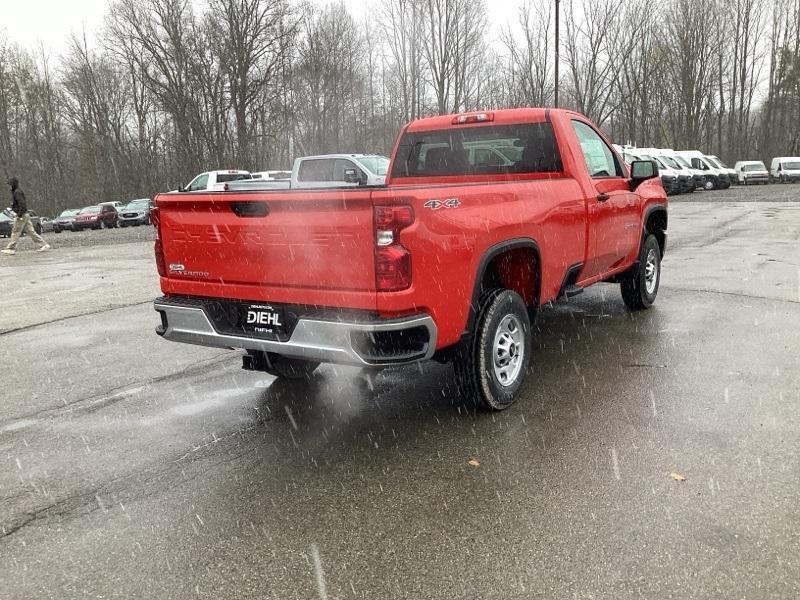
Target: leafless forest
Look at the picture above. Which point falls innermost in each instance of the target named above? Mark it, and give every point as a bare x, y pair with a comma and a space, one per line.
169, 91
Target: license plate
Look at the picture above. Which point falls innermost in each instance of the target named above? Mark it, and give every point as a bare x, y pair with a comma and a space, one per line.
262, 319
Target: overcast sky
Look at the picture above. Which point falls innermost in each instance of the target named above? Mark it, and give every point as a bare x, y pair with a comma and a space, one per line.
49, 22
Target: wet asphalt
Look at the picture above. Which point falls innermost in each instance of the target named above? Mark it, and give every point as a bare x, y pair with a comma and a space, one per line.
137, 468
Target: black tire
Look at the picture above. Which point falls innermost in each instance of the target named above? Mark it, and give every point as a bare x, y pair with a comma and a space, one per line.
501, 313
291, 368
639, 291
38, 228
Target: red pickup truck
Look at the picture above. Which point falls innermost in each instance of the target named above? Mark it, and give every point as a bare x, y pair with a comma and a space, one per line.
484, 218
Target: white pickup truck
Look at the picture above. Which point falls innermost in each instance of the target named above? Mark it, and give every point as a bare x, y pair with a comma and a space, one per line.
215, 181
324, 171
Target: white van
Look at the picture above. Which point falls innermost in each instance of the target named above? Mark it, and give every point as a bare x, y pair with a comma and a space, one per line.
698, 176
669, 177
785, 168
751, 171
716, 179
685, 174
717, 162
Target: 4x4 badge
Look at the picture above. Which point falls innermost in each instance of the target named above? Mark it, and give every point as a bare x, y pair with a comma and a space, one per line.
446, 203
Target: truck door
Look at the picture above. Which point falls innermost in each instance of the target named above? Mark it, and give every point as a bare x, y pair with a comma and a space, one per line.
612, 207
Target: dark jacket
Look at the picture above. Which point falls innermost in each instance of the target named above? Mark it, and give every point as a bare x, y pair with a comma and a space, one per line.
19, 205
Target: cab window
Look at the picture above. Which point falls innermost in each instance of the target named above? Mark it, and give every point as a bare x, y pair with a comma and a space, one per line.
316, 170
341, 165
200, 182
599, 159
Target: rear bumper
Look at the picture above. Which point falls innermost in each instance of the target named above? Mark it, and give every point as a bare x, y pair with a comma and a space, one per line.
373, 342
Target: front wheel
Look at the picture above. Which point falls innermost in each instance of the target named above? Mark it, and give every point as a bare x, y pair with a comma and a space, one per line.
639, 286
491, 365
709, 184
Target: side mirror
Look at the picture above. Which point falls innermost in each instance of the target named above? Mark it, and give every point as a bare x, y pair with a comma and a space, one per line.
642, 170
351, 176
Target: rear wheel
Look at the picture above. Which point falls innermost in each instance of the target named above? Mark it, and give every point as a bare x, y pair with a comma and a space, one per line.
491, 365
639, 286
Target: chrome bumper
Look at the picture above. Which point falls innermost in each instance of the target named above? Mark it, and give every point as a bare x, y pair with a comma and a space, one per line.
312, 339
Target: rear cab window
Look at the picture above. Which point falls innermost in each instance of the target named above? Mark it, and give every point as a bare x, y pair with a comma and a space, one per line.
480, 150
226, 177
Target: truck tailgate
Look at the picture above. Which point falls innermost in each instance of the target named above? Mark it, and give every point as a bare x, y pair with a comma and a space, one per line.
271, 241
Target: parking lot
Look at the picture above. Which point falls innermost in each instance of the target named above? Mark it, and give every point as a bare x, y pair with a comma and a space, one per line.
651, 455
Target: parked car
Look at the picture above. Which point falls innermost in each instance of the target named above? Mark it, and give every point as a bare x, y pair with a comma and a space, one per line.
785, 169
214, 180
7, 218
751, 171
64, 221
136, 212
47, 224
6, 223
447, 261
95, 217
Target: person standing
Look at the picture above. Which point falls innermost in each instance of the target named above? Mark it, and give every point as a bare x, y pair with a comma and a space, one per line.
23, 220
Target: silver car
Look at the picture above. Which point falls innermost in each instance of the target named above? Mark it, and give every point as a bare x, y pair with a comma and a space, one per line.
136, 212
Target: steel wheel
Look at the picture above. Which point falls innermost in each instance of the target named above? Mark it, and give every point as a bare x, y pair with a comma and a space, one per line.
508, 350
651, 271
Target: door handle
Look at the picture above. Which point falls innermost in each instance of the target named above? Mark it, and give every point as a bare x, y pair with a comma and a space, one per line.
602, 197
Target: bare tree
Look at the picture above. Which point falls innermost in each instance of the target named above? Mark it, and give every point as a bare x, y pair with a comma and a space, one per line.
529, 70
453, 49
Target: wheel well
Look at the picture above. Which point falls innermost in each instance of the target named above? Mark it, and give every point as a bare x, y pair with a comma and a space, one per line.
515, 269
657, 225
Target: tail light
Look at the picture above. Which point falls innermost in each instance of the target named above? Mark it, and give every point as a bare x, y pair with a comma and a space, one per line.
392, 260
158, 249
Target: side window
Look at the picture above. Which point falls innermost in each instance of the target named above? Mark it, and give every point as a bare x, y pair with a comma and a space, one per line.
200, 182
339, 167
316, 170
599, 158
